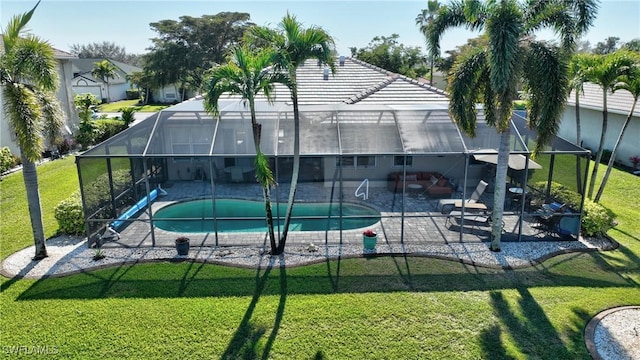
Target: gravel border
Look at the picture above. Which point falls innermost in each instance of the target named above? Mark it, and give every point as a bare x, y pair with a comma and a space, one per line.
614, 334
70, 255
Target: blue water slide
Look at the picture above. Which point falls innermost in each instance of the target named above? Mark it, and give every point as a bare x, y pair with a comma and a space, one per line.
134, 209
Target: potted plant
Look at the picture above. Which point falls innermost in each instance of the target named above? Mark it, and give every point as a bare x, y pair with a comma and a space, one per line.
182, 245
369, 238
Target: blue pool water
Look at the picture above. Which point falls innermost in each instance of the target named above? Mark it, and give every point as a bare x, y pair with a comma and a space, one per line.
200, 215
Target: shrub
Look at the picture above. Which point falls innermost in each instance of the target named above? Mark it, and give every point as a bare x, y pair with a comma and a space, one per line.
132, 94
69, 215
87, 132
85, 104
7, 160
106, 128
65, 146
128, 115
596, 219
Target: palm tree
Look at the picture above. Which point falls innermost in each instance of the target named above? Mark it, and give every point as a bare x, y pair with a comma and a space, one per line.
577, 78
423, 20
105, 70
29, 79
292, 45
631, 83
492, 73
604, 70
247, 74
144, 80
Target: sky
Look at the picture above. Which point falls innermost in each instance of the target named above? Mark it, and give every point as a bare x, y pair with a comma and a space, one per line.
351, 23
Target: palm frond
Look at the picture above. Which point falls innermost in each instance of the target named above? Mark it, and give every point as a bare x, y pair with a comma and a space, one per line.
545, 71
219, 80
465, 86
23, 114
452, 15
630, 82
264, 174
576, 72
505, 28
585, 12
52, 116
15, 27
32, 61
488, 98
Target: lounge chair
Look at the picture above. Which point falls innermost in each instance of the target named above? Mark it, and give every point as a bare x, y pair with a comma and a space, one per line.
474, 220
446, 205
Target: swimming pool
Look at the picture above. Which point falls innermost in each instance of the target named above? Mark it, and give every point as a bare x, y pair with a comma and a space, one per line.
316, 216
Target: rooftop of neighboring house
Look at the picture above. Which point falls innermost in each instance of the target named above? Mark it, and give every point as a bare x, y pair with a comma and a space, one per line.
618, 103
57, 53
83, 66
354, 82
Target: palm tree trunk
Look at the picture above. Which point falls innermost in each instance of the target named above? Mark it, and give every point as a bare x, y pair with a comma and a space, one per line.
431, 72
605, 114
578, 137
257, 132
500, 190
296, 171
267, 207
30, 177
613, 153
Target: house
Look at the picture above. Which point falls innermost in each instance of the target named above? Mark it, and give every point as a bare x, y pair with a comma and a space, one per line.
64, 95
591, 105
84, 82
367, 137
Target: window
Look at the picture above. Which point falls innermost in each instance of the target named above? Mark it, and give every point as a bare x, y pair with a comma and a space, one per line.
188, 141
398, 161
356, 161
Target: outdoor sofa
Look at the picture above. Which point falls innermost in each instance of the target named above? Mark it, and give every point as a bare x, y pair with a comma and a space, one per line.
432, 183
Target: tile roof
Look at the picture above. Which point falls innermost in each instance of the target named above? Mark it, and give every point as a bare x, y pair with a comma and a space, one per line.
355, 81
619, 102
57, 53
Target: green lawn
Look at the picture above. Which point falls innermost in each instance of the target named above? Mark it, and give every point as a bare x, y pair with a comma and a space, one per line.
116, 106
359, 308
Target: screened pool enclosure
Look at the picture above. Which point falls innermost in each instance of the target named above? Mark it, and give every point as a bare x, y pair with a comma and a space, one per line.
395, 169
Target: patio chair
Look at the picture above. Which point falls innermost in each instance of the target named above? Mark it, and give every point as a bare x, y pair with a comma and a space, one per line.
237, 174
549, 217
446, 205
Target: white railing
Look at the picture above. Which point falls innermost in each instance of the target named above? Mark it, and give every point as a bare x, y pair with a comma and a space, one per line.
365, 194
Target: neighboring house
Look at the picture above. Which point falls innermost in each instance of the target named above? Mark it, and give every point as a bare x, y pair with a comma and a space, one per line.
170, 94
85, 82
64, 94
618, 105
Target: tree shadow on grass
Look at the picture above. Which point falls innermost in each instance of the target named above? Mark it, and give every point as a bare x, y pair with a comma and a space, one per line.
245, 343
528, 326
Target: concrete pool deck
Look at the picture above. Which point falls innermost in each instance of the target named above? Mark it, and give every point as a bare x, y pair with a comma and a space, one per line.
423, 224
